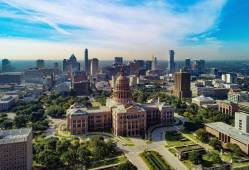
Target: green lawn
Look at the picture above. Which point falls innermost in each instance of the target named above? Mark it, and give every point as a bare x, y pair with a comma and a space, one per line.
175, 138
124, 141
188, 164
116, 160
154, 160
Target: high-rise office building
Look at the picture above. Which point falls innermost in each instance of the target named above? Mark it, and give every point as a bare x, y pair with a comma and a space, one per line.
71, 65
118, 61
56, 65
187, 62
148, 64
198, 67
94, 66
154, 63
40, 63
187, 66
182, 85
229, 78
86, 61
171, 63
16, 149
6, 65
134, 68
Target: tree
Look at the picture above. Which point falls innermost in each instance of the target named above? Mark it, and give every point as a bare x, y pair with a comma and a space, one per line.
215, 143
195, 157
234, 149
51, 143
202, 135
214, 157
49, 159
127, 166
55, 111
20, 121
62, 146
84, 155
6, 123
40, 125
70, 157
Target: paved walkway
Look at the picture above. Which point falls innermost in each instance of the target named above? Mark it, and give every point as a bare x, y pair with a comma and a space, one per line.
132, 153
158, 144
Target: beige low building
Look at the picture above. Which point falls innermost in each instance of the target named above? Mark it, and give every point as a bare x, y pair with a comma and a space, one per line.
16, 149
229, 134
121, 115
227, 107
202, 100
81, 120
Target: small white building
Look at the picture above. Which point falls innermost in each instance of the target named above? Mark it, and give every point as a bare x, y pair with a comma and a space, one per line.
202, 100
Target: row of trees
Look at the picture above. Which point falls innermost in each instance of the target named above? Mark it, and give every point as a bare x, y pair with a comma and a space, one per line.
56, 105
53, 153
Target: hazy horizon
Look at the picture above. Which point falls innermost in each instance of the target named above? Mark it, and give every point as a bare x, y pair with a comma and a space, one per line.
198, 29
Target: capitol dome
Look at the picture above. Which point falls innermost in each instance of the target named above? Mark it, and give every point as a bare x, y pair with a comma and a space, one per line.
121, 92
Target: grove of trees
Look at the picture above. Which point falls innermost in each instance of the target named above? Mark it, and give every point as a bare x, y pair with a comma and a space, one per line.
53, 153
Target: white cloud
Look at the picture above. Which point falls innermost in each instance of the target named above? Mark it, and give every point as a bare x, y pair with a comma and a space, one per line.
153, 25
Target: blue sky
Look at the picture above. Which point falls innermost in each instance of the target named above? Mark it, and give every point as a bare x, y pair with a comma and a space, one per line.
209, 29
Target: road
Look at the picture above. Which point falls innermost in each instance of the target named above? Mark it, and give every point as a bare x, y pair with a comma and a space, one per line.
132, 153
158, 144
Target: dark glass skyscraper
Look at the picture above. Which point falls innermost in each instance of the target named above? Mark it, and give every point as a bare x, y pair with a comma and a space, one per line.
171, 63
40, 63
86, 61
6, 66
187, 63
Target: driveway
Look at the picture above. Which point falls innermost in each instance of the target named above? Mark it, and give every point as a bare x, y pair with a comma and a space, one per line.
158, 144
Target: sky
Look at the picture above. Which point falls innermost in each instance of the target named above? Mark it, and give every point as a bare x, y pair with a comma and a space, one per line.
134, 29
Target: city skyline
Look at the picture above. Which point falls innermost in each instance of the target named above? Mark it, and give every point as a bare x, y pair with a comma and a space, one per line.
208, 29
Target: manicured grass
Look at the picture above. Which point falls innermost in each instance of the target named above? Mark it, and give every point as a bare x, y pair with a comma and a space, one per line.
244, 165
172, 150
192, 136
125, 141
116, 160
96, 104
188, 164
154, 160
148, 142
175, 138
62, 135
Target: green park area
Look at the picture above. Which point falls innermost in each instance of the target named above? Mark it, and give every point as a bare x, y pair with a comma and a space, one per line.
154, 160
55, 153
175, 138
216, 155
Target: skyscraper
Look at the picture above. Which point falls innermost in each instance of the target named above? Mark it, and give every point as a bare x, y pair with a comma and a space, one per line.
148, 64
71, 65
40, 63
118, 61
171, 63
6, 65
182, 85
94, 66
198, 67
154, 63
187, 63
86, 61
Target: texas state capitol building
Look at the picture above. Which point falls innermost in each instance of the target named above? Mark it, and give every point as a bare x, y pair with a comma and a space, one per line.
121, 114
